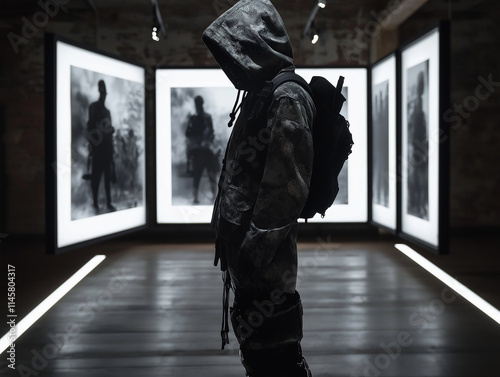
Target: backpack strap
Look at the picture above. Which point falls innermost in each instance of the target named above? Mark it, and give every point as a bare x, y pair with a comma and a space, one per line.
265, 95
291, 76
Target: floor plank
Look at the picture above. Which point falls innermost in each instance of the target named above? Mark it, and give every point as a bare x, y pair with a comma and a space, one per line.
154, 310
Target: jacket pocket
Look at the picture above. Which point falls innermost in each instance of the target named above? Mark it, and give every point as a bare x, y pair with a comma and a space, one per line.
236, 207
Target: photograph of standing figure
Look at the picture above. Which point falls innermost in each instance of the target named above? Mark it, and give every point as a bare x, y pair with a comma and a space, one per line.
351, 203
99, 133
107, 143
200, 152
380, 119
417, 92
343, 194
199, 133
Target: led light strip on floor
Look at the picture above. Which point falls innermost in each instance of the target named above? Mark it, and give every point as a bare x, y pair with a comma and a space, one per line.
458, 287
50, 301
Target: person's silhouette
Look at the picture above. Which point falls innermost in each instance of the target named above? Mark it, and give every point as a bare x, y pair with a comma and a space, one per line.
418, 192
100, 135
200, 135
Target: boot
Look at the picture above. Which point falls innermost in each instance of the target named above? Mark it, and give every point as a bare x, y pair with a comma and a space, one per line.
278, 362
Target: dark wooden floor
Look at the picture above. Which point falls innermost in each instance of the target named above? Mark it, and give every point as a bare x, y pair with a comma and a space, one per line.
154, 310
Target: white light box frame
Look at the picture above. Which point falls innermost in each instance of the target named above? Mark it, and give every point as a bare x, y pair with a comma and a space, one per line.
63, 59
424, 169
383, 159
355, 208
168, 81
176, 90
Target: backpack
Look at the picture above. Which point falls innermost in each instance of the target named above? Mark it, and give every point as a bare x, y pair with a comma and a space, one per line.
332, 139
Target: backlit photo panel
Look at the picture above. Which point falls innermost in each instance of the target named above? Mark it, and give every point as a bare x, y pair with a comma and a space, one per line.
424, 142
95, 113
193, 107
384, 144
351, 204
107, 143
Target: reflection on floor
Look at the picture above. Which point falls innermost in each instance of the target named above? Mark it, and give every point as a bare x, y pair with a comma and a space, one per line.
155, 310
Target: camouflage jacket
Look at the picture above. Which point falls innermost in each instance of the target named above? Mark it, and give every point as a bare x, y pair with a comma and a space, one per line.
265, 180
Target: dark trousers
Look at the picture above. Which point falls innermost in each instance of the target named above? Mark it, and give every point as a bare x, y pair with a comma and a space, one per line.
203, 158
269, 332
267, 323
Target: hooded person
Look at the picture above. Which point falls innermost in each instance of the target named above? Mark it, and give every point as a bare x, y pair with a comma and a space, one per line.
262, 189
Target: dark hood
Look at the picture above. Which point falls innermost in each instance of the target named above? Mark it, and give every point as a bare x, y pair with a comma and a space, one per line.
250, 43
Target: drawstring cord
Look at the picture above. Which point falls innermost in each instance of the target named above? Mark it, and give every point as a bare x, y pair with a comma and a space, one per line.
224, 332
226, 278
236, 107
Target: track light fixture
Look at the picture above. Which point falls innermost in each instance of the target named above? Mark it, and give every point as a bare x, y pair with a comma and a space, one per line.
320, 4
159, 29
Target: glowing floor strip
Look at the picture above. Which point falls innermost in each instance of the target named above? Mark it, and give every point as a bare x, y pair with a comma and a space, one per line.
50, 301
458, 287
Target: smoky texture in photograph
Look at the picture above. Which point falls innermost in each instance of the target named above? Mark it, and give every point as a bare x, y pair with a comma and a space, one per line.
417, 92
107, 143
380, 140
343, 194
199, 118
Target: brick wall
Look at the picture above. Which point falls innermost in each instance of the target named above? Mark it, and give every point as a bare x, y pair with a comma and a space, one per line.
123, 28
475, 131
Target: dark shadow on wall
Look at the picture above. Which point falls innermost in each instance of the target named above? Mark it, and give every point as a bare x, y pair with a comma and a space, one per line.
3, 176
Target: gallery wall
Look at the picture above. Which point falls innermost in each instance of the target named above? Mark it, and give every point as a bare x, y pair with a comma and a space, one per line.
473, 113
123, 28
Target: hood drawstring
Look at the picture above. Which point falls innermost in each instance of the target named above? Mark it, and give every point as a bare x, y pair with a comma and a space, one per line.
224, 332
236, 107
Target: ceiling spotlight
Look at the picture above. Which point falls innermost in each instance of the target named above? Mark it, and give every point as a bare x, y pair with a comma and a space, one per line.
154, 34
159, 29
315, 38
317, 6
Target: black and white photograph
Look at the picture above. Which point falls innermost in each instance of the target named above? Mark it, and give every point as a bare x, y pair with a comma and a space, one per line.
258, 188
199, 135
383, 157
250, 188
107, 162
343, 194
192, 115
190, 103
380, 132
353, 178
417, 92
424, 143
96, 145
